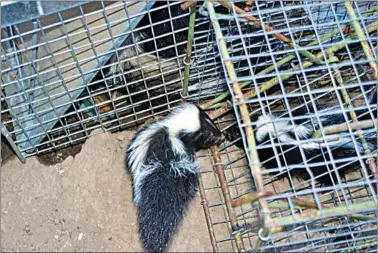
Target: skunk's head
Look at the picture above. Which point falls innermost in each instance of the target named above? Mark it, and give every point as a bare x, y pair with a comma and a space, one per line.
193, 127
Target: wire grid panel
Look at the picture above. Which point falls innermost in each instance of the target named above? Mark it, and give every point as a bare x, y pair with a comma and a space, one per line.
239, 182
303, 93
54, 71
49, 61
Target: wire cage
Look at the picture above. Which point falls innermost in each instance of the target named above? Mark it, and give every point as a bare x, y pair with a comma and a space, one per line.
277, 81
69, 69
55, 69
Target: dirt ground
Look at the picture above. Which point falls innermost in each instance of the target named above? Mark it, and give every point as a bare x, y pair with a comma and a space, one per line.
82, 203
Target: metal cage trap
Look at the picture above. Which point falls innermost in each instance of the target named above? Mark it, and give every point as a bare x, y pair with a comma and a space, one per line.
70, 68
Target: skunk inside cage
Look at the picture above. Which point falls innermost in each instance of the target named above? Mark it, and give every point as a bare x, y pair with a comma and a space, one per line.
96, 64
297, 172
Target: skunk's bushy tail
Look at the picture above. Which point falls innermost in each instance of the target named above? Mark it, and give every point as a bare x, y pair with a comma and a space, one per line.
164, 197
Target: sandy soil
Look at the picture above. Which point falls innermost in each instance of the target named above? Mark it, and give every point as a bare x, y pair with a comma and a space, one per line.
81, 204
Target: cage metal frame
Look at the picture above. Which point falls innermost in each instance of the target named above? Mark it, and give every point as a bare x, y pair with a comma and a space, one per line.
239, 239
100, 58
233, 80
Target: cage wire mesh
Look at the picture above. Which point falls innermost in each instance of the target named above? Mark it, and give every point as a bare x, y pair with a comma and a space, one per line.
98, 65
113, 65
298, 93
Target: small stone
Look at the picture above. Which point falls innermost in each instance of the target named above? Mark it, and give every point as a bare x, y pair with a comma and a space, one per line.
120, 138
80, 236
69, 160
110, 238
28, 230
56, 236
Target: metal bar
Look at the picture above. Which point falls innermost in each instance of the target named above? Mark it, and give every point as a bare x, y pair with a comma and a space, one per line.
17, 12
74, 94
362, 38
33, 58
187, 60
306, 79
205, 205
227, 197
253, 156
20, 98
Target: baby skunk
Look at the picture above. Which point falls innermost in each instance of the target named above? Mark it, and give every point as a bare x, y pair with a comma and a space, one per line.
288, 152
131, 62
160, 161
165, 26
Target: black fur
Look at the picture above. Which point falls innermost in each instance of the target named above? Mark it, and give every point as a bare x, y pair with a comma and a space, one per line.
203, 138
165, 193
165, 28
291, 155
159, 23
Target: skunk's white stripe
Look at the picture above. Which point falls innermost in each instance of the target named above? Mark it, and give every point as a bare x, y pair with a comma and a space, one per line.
177, 145
144, 171
183, 118
274, 128
184, 165
178, 168
280, 129
139, 148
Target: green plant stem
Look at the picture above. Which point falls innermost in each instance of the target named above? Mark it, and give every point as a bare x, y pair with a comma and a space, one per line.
216, 106
255, 162
323, 214
269, 69
344, 127
357, 216
268, 28
361, 36
237, 91
192, 20
280, 63
250, 198
349, 103
275, 80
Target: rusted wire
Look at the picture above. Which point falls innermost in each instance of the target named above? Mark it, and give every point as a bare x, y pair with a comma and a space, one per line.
371, 161
275, 80
360, 34
226, 196
187, 4
205, 205
255, 162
